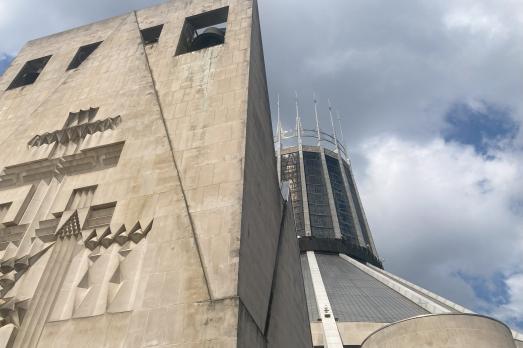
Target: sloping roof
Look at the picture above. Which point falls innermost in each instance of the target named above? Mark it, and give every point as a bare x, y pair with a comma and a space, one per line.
356, 296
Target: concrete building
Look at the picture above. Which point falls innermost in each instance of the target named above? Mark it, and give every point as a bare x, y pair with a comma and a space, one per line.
139, 200
140, 203
352, 300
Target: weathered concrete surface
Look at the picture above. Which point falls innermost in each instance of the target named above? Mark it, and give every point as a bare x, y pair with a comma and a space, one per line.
288, 322
443, 330
262, 203
185, 184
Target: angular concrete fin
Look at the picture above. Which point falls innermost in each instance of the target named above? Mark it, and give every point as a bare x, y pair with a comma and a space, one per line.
122, 237
23, 248
82, 216
66, 215
8, 305
95, 254
125, 250
84, 282
104, 233
146, 227
91, 240
117, 276
107, 240
136, 233
36, 246
7, 335
10, 252
22, 263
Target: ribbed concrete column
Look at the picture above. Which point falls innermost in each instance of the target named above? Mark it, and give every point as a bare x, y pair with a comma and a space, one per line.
306, 216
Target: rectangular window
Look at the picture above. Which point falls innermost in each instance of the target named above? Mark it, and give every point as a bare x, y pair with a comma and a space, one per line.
80, 117
203, 31
100, 215
81, 198
82, 54
4, 208
29, 72
151, 35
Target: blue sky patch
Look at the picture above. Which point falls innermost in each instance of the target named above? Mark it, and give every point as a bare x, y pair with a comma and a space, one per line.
492, 290
482, 128
5, 60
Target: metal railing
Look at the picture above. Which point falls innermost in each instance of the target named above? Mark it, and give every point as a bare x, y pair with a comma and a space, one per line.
310, 137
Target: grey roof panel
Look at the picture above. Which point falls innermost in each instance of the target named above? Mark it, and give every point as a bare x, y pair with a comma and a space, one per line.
356, 296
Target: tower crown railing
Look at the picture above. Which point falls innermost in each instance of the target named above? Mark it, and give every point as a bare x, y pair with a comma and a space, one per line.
310, 137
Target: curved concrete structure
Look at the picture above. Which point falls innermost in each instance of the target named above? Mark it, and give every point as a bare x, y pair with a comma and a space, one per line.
442, 331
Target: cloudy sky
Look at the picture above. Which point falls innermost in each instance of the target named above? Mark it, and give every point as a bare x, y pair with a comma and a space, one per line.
431, 95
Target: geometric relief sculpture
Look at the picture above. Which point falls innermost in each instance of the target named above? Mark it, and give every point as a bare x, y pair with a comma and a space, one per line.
105, 269
20, 250
3, 210
15, 265
79, 126
92, 159
109, 282
82, 145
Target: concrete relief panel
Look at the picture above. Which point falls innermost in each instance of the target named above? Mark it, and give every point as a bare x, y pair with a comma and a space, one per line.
106, 263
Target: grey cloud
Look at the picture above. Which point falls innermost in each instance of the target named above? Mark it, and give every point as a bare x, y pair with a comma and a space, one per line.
391, 67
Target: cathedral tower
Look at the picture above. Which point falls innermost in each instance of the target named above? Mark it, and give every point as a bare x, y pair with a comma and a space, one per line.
139, 201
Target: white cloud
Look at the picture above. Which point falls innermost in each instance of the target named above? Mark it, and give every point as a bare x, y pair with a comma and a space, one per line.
512, 311
476, 19
439, 208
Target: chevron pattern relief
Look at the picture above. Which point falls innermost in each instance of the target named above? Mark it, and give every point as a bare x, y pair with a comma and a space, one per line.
75, 133
103, 277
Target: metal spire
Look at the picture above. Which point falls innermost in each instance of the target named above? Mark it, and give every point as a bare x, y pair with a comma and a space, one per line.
316, 115
298, 120
342, 138
339, 125
333, 128
278, 126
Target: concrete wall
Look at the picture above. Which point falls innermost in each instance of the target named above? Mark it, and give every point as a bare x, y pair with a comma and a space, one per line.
288, 324
197, 161
443, 330
261, 209
188, 257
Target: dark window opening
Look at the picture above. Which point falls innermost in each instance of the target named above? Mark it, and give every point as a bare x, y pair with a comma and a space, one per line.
81, 197
100, 215
151, 35
4, 208
203, 31
290, 172
82, 54
29, 72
